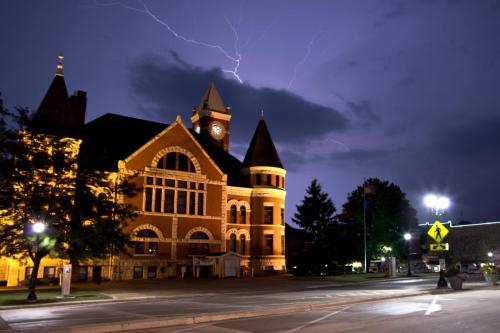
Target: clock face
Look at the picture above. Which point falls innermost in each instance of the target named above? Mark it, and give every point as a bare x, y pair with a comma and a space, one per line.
217, 130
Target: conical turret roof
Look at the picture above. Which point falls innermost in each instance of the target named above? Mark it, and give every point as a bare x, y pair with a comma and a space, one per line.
55, 114
262, 151
212, 101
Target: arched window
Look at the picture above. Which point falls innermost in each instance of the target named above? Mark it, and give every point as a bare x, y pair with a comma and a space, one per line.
232, 215
147, 233
199, 235
146, 247
242, 244
243, 215
199, 248
232, 243
176, 161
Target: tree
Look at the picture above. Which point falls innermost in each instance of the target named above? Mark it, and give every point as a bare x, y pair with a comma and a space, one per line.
316, 215
388, 216
41, 182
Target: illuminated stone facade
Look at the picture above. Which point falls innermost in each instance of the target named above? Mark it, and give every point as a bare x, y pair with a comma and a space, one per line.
198, 202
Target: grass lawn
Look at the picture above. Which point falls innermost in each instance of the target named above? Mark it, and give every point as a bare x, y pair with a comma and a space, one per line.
18, 297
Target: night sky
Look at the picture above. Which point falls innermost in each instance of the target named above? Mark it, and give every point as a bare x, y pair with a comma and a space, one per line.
407, 91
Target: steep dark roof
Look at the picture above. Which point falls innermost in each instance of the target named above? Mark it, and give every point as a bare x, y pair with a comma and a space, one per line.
229, 164
212, 101
58, 114
262, 151
112, 137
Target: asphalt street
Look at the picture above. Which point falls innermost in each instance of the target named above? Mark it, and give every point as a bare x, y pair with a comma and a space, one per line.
469, 311
191, 298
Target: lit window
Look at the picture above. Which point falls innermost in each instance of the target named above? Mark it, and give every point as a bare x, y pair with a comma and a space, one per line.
268, 215
232, 214
243, 215
268, 244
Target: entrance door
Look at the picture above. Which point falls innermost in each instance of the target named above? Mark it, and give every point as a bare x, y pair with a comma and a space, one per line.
96, 273
152, 272
230, 268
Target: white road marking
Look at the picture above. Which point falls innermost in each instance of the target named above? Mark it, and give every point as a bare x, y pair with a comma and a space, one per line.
433, 307
316, 320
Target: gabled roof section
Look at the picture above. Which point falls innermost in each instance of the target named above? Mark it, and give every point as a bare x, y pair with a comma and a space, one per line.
212, 101
262, 151
113, 137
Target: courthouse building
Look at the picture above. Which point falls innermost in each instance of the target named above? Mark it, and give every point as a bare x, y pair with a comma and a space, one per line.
201, 211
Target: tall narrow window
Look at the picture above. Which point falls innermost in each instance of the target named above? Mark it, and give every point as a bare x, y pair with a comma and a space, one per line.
171, 157
232, 243
183, 162
242, 244
200, 203
169, 201
181, 202
268, 215
243, 215
283, 216
283, 244
192, 203
158, 193
268, 244
259, 179
277, 184
232, 214
269, 180
148, 207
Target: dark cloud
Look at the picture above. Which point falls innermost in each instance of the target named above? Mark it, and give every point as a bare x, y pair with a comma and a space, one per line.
359, 155
405, 82
175, 87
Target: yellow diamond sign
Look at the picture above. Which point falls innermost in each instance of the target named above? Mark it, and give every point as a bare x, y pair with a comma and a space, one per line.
438, 231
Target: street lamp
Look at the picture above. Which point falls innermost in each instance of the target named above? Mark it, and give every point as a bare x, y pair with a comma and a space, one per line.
490, 254
38, 228
437, 204
407, 237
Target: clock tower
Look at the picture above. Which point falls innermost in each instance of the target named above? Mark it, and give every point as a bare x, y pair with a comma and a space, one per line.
211, 118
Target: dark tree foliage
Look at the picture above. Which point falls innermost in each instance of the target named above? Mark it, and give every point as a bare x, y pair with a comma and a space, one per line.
316, 215
41, 182
388, 216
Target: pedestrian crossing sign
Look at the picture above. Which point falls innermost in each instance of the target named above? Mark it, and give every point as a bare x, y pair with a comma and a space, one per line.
439, 247
438, 232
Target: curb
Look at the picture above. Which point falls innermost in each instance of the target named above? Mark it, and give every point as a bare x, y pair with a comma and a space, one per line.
205, 318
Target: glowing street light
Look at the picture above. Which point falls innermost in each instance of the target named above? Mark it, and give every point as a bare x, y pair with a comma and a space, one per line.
490, 254
407, 237
38, 227
436, 203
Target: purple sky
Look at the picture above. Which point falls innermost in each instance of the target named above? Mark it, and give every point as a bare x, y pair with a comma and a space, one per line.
407, 91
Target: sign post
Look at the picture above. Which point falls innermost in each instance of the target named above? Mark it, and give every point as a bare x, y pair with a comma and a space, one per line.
438, 232
66, 280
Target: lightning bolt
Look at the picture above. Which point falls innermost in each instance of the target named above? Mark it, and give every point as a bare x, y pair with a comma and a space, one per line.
304, 59
145, 10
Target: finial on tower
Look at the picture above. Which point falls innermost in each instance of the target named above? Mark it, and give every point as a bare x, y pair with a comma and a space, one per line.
60, 60
262, 114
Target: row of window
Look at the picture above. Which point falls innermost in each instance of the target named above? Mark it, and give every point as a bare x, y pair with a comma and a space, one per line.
171, 196
232, 244
268, 215
151, 247
267, 179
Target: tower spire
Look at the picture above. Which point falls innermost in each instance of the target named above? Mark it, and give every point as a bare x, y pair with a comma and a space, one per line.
60, 60
262, 114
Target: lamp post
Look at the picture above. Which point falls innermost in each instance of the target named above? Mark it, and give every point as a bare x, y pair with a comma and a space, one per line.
437, 204
407, 237
38, 228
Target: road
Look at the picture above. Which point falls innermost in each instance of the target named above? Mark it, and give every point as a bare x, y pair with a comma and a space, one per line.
214, 297
471, 311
